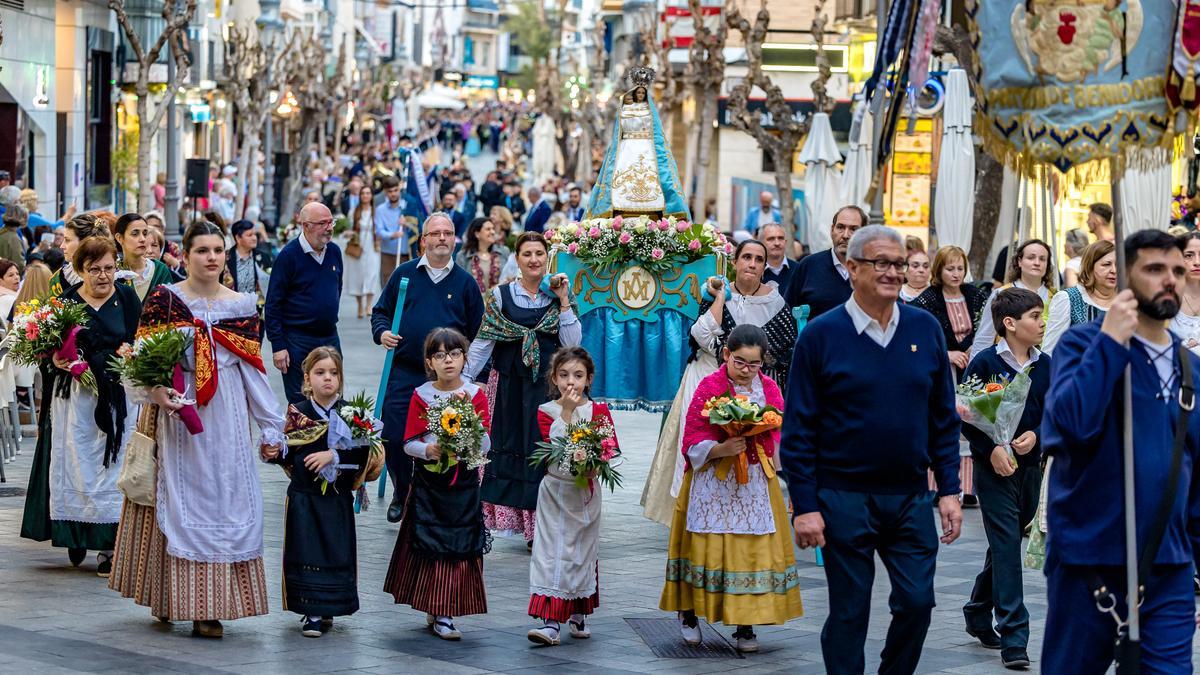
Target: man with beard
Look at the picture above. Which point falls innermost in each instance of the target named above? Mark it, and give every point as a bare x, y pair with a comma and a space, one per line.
1082, 431
821, 280
440, 295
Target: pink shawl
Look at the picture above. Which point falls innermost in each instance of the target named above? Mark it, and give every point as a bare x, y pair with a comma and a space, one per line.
696, 427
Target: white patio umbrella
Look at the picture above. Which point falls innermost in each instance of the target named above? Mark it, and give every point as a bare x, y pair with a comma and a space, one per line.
545, 149
1146, 199
856, 176
822, 181
954, 204
436, 101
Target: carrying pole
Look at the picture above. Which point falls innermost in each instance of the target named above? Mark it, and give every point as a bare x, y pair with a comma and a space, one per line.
1130, 491
387, 369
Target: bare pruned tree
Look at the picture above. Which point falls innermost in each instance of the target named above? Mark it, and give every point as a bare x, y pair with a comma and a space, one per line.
705, 73
670, 90
780, 137
176, 15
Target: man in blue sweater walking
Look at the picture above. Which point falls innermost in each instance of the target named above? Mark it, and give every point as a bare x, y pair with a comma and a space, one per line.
870, 409
303, 297
822, 280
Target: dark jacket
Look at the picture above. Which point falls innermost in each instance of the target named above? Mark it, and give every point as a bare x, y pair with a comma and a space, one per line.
931, 300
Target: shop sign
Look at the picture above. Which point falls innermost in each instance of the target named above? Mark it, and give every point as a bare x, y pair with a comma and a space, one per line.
482, 81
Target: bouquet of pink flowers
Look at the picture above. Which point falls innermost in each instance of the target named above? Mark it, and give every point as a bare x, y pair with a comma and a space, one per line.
49, 327
588, 450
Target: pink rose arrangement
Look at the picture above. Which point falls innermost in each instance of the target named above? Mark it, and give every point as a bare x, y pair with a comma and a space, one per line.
50, 327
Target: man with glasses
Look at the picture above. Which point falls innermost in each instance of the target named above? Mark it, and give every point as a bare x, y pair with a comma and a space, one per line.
870, 409
303, 297
822, 280
439, 295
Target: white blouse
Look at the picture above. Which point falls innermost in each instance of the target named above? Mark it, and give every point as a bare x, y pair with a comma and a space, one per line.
1187, 327
985, 335
1060, 317
756, 310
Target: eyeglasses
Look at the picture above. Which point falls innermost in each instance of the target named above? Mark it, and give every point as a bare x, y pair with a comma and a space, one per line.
883, 264
747, 365
320, 223
440, 357
440, 234
102, 271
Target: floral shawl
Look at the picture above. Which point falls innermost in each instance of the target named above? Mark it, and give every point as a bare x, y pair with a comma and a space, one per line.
498, 327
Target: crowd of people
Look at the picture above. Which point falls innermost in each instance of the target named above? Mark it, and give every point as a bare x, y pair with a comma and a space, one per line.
462, 297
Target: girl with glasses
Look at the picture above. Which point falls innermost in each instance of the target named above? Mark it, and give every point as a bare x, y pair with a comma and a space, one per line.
437, 565
730, 558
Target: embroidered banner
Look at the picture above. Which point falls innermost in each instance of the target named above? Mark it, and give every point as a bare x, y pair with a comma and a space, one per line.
1070, 81
1183, 79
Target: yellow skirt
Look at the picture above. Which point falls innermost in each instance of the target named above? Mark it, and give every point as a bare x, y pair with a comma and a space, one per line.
734, 579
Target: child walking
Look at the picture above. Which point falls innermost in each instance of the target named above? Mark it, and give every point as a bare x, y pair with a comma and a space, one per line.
1008, 493
730, 557
320, 554
564, 573
437, 565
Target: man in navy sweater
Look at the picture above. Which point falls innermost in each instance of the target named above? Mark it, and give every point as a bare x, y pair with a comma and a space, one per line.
303, 297
1082, 432
822, 280
440, 295
870, 409
779, 267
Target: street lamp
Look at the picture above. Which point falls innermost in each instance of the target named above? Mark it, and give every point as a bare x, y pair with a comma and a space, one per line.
270, 28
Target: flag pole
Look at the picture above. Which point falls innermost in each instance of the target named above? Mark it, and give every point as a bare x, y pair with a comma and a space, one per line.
1130, 492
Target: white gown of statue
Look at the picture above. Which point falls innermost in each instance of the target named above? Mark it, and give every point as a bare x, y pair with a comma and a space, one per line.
635, 184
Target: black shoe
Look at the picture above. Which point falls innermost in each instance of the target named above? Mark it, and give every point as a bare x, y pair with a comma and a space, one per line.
1014, 658
987, 637
326, 623
77, 555
103, 566
395, 509
310, 626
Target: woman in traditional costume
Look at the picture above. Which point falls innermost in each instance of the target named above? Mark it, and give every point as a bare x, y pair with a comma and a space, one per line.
564, 573
730, 558
138, 269
196, 554
37, 523
748, 301
437, 565
524, 323
326, 465
88, 428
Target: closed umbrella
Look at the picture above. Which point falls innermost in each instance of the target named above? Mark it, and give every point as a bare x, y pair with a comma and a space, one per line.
954, 204
822, 181
856, 177
435, 101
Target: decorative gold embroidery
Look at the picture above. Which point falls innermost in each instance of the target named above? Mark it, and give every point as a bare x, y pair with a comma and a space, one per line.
638, 182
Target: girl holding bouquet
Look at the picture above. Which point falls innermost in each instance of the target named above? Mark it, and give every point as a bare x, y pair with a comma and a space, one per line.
564, 573
437, 565
326, 463
730, 557
195, 554
88, 427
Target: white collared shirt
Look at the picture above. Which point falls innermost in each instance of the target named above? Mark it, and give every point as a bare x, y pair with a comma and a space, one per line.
319, 256
837, 265
863, 322
1006, 354
777, 270
435, 274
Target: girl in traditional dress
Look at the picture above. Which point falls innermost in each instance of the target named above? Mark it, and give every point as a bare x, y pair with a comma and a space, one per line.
747, 301
437, 565
564, 574
524, 324
196, 554
138, 269
730, 557
88, 429
320, 554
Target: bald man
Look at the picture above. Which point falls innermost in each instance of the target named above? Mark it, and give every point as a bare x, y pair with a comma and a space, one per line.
762, 214
303, 296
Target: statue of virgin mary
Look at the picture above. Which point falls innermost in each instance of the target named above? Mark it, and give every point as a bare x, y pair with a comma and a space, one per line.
638, 175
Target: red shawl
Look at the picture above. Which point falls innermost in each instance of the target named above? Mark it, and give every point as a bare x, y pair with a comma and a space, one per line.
697, 429
599, 412
239, 335
417, 426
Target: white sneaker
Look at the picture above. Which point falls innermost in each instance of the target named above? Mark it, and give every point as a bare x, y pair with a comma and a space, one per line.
691, 634
443, 627
546, 635
745, 640
578, 630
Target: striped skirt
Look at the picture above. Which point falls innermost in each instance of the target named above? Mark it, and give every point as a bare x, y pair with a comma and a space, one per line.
437, 586
176, 588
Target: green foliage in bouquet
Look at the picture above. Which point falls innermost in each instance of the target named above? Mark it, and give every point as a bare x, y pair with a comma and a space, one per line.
151, 361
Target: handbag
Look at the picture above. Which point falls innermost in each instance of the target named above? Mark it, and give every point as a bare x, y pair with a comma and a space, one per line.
354, 248
139, 473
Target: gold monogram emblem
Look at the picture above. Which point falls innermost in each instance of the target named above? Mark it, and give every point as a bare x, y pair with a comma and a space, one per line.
636, 287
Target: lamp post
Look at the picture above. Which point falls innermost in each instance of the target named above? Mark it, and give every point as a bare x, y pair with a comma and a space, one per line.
171, 203
270, 26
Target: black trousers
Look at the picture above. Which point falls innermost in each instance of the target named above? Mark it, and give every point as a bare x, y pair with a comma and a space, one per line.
1007, 504
901, 529
298, 348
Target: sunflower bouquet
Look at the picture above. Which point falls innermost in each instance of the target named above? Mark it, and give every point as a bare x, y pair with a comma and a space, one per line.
994, 407
587, 451
458, 431
737, 415
49, 327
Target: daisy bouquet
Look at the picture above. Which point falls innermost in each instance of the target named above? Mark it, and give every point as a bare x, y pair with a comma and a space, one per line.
737, 415
458, 431
587, 451
994, 407
49, 327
